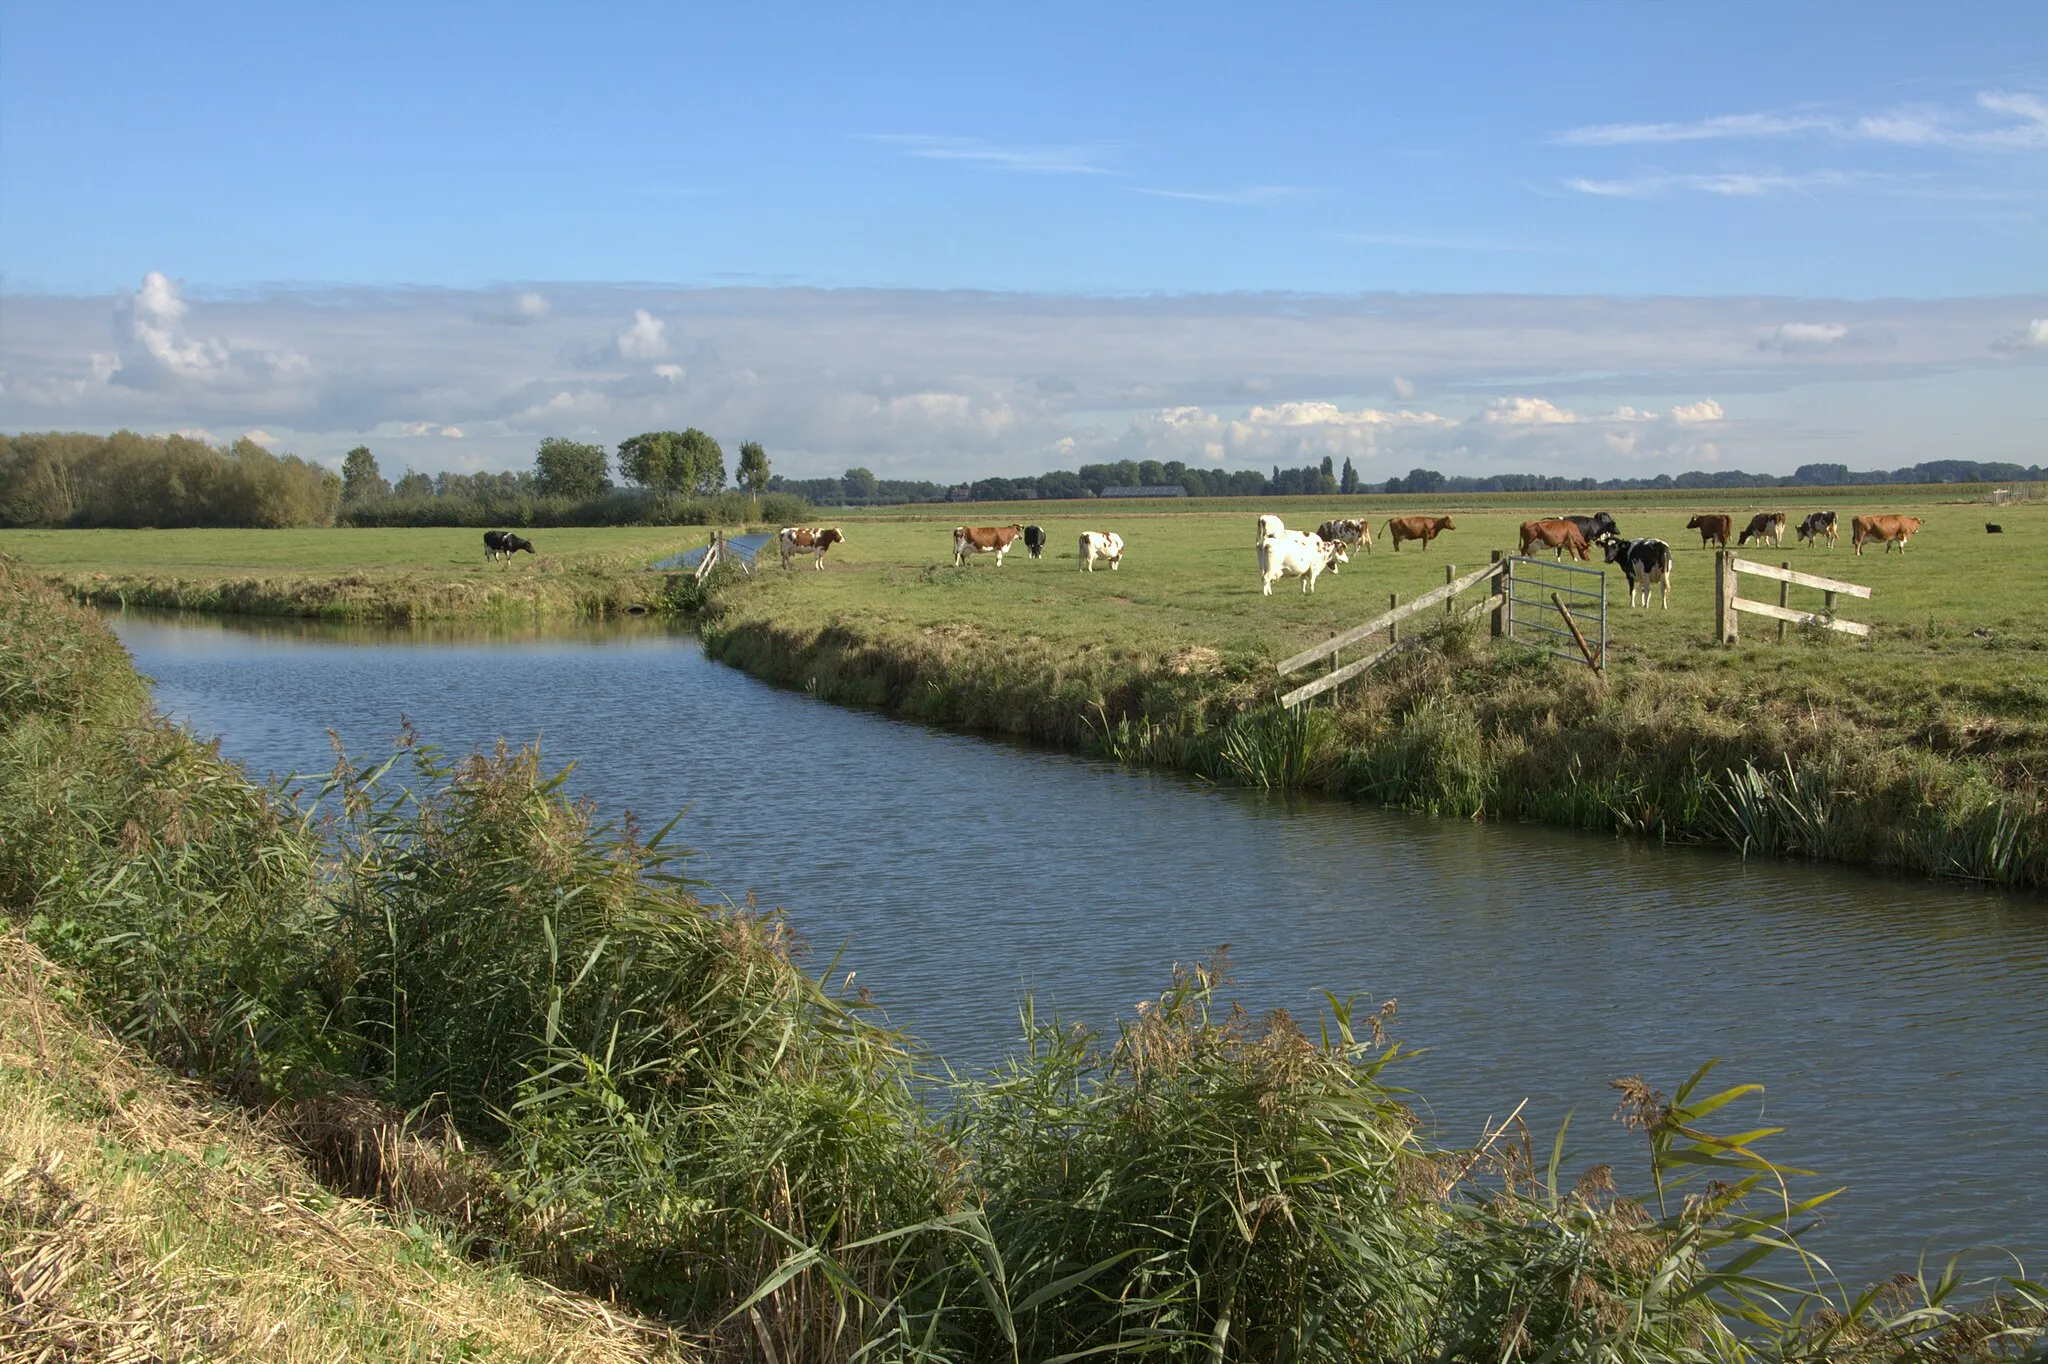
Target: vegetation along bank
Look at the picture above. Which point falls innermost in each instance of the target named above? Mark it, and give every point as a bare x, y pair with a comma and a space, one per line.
498, 1030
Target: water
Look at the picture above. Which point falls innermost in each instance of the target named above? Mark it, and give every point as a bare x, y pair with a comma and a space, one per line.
1901, 1027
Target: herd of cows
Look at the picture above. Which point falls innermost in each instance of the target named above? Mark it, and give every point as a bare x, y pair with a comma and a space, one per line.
1284, 553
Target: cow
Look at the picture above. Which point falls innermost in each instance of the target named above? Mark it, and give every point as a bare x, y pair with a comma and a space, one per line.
1712, 527
1349, 532
1423, 528
1815, 526
795, 540
503, 544
1594, 526
1993, 528
1107, 546
1643, 562
1297, 554
1885, 528
1764, 526
1560, 535
1034, 540
1269, 526
994, 540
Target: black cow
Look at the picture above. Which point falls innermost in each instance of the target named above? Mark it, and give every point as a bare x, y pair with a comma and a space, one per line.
1993, 528
1815, 526
1643, 562
1034, 540
504, 544
1594, 526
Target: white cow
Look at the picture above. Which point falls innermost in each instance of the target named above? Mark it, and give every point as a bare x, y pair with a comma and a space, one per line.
1269, 526
1105, 545
1297, 554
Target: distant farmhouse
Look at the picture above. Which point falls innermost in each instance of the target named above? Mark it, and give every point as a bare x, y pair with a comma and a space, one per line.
1147, 490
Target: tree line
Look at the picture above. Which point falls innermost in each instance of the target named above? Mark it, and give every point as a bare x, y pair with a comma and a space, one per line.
55, 478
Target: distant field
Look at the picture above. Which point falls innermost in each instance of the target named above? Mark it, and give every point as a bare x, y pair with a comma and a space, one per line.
1189, 572
220, 553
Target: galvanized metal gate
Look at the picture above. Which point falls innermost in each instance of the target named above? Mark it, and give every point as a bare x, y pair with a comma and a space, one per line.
1558, 607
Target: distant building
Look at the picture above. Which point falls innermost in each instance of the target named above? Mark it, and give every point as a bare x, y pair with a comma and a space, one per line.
1148, 490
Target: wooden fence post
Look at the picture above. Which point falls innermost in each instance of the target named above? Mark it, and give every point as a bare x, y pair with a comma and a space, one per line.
1393, 627
1725, 589
1784, 599
1450, 576
1500, 585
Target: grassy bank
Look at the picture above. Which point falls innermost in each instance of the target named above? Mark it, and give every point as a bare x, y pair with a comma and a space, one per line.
519, 1031
1924, 750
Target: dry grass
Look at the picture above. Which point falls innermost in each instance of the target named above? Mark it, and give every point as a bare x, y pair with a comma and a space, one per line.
140, 1221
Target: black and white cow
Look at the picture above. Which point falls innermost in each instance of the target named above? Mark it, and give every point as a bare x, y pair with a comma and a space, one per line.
1815, 526
503, 544
1034, 540
1643, 562
1594, 526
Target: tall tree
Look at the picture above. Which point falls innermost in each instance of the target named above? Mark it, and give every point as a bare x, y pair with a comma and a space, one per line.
568, 468
1349, 483
859, 484
688, 463
360, 478
752, 473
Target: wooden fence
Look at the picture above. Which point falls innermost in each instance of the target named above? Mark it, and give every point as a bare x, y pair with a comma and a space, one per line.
1388, 623
1728, 604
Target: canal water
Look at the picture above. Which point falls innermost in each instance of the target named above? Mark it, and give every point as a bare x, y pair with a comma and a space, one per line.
1900, 1027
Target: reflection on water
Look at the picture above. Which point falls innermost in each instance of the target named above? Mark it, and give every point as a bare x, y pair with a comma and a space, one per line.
1901, 1027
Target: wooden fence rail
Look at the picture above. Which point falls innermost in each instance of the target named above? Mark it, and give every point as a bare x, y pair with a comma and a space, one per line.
1729, 604
1390, 622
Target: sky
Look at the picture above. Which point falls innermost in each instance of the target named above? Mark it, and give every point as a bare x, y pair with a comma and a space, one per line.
949, 241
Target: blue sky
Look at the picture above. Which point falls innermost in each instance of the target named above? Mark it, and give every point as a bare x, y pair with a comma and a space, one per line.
313, 183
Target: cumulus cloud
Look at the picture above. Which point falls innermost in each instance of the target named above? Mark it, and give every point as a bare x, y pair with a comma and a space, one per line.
1525, 412
157, 350
429, 429
644, 338
1803, 336
261, 437
521, 310
2033, 336
1705, 410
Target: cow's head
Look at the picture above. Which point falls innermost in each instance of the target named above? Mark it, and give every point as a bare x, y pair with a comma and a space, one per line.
829, 536
1335, 553
515, 543
1613, 548
1445, 523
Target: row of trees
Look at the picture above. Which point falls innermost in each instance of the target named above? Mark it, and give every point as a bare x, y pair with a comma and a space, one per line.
70, 478
669, 464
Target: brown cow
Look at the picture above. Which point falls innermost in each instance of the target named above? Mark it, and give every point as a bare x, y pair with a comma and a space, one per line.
1423, 528
994, 540
1557, 535
1885, 528
1712, 527
1764, 526
795, 540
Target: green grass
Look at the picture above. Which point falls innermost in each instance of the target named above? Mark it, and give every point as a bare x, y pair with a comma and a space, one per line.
314, 552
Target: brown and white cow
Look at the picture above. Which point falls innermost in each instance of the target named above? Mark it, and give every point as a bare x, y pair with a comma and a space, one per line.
1269, 526
994, 540
814, 540
1423, 528
1347, 532
1559, 535
1297, 554
1889, 529
1101, 546
1764, 526
1712, 527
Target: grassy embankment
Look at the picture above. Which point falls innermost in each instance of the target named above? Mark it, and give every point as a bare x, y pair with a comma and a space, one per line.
1925, 750
349, 574
513, 1029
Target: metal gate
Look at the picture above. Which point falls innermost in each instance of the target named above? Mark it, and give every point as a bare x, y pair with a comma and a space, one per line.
1557, 607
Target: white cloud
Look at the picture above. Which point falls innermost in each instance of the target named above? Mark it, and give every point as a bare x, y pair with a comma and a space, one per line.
1035, 160
1797, 336
1728, 185
2033, 336
644, 338
2018, 122
157, 351
1404, 389
1525, 412
429, 429
1705, 410
671, 372
1724, 125
261, 437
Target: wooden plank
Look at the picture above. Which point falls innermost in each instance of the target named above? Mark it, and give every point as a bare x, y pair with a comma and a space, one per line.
1381, 622
1793, 575
1339, 676
1349, 671
1577, 638
1764, 608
